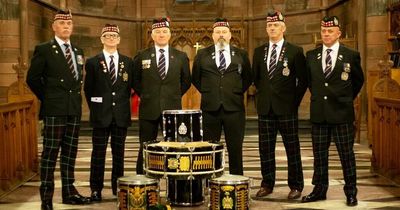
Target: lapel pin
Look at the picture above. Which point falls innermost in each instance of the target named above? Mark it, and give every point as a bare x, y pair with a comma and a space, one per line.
54, 46
233, 53
56, 51
340, 57
152, 54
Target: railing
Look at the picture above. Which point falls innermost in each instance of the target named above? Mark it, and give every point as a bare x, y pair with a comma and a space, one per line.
18, 144
386, 138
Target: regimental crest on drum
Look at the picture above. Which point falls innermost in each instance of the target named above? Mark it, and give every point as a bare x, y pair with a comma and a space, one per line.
136, 197
182, 129
227, 201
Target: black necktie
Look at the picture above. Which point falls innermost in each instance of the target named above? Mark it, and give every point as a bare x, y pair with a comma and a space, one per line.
161, 64
328, 62
222, 61
112, 70
272, 62
68, 57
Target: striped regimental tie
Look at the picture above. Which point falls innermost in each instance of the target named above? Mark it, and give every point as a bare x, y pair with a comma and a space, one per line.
68, 57
112, 70
161, 65
328, 62
222, 62
272, 62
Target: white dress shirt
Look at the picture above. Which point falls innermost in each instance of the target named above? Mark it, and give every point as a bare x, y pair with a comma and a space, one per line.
61, 43
166, 54
333, 53
115, 59
278, 50
226, 52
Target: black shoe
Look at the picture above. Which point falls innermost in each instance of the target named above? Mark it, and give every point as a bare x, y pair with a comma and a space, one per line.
76, 199
96, 196
47, 205
316, 195
351, 200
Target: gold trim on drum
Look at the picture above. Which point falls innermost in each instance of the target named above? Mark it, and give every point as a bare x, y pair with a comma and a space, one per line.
156, 161
184, 163
203, 162
173, 163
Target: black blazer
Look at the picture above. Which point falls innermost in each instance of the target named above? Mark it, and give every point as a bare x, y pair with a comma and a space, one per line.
332, 97
157, 95
51, 80
107, 101
284, 91
222, 89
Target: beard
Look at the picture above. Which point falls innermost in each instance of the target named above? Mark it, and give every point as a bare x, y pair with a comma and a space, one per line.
222, 42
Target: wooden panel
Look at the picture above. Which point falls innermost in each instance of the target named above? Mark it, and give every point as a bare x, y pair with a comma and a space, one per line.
18, 144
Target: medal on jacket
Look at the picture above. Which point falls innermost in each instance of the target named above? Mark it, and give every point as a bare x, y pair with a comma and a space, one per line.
125, 77
104, 66
346, 71
146, 64
286, 70
79, 59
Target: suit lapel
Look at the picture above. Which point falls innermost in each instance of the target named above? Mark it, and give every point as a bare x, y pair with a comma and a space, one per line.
103, 68
318, 61
212, 56
234, 59
78, 59
59, 54
171, 62
281, 57
339, 62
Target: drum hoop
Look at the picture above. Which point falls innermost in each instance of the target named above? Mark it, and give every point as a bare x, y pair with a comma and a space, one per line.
219, 180
136, 181
194, 173
183, 111
230, 182
182, 153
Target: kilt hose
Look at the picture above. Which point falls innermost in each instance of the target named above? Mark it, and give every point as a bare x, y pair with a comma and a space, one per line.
287, 125
148, 131
59, 132
343, 135
233, 123
100, 138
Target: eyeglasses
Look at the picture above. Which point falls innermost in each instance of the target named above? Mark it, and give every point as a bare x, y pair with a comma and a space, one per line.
108, 36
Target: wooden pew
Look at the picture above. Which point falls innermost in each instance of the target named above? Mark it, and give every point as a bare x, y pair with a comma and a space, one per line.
385, 158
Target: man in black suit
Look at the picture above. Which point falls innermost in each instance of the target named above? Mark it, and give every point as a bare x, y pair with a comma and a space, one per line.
108, 90
55, 77
281, 81
335, 79
161, 76
222, 74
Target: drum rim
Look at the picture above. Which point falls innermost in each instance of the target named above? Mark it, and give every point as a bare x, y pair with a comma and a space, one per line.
182, 111
147, 180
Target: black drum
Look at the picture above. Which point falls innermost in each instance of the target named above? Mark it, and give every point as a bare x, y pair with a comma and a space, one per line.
185, 192
182, 125
137, 192
183, 160
230, 192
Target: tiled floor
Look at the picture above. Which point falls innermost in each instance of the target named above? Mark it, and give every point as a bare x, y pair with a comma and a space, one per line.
375, 192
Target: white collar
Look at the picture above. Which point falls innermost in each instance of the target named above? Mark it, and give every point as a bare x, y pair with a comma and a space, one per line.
62, 42
334, 47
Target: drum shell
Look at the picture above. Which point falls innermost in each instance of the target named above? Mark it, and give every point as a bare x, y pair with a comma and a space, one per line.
137, 192
230, 192
185, 192
182, 125
181, 163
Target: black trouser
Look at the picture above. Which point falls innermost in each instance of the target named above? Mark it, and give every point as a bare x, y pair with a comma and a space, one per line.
233, 123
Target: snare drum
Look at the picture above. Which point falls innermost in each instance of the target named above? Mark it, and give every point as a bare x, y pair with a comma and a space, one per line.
230, 192
137, 192
182, 125
183, 160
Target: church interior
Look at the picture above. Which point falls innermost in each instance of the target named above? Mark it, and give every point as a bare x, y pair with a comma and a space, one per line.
370, 27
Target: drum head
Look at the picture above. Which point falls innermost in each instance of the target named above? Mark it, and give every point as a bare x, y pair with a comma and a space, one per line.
136, 180
230, 179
